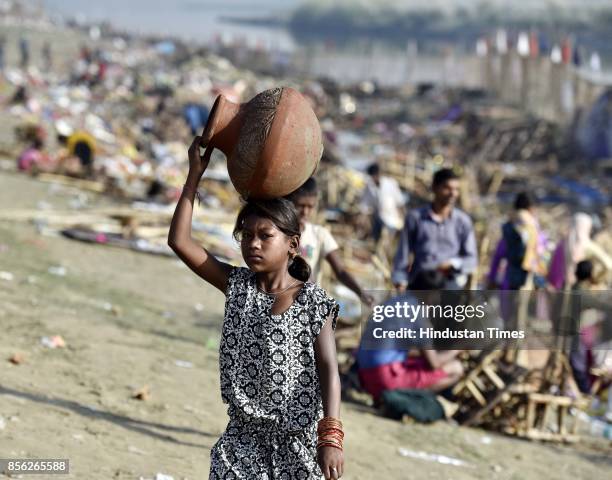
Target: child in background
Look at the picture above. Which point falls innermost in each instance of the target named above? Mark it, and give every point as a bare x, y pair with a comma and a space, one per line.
277, 355
318, 244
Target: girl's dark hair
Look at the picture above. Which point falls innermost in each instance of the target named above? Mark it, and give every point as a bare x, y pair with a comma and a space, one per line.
283, 214
308, 189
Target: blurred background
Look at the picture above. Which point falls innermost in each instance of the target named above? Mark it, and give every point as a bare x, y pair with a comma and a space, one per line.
112, 352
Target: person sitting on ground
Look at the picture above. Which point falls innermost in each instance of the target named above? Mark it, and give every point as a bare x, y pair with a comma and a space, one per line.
393, 364
34, 159
78, 145
317, 243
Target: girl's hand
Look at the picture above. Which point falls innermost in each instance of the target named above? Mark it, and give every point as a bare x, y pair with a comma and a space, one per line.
198, 162
331, 462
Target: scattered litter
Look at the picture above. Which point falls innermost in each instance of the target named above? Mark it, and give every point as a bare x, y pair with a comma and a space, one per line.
109, 307
486, 440
432, 457
133, 449
56, 341
163, 476
2, 423
600, 428
142, 393
159, 476
78, 436
8, 276
183, 363
198, 307
57, 270
17, 359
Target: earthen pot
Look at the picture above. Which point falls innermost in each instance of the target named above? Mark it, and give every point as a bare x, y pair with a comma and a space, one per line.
272, 143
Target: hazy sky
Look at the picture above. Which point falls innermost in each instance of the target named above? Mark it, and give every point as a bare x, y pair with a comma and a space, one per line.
190, 19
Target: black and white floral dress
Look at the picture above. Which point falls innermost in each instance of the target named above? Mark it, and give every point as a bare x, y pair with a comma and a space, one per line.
270, 382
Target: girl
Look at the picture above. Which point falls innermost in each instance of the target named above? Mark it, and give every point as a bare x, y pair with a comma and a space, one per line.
277, 355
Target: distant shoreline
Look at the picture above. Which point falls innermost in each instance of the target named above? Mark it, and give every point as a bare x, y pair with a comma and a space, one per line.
344, 24
267, 22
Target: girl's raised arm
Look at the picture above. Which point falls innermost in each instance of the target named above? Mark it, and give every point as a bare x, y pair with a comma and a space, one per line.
196, 257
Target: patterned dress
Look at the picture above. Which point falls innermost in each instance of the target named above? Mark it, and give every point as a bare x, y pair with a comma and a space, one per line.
270, 382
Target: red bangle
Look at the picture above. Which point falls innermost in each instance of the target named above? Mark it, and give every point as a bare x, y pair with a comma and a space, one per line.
329, 444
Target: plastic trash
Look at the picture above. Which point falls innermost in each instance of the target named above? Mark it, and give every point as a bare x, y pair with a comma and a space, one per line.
7, 276
163, 476
600, 428
133, 449
56, 341
58, 270
432, 457
183, 364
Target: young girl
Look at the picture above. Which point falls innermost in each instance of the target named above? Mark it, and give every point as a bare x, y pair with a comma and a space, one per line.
279, 373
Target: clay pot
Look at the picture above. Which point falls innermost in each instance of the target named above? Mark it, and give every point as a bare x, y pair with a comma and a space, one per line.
272, 143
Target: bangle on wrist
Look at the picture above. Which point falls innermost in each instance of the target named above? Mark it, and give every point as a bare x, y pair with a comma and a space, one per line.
330, 433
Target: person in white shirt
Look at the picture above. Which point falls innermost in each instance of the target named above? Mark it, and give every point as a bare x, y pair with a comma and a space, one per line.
384, 201
318, 244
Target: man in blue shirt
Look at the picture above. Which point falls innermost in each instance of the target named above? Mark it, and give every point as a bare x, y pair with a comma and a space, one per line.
438, 237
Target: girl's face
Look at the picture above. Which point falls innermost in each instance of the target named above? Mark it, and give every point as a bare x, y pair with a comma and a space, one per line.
264, 247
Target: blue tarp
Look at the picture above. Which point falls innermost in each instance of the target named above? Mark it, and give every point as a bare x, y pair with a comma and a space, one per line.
586, 195
594, 133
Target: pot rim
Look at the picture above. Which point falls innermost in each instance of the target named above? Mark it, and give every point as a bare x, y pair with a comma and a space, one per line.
213, 119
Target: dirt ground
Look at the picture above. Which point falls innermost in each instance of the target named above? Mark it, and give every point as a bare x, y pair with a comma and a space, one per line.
127, 318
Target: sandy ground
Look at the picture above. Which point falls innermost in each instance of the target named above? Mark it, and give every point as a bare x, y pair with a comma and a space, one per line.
76, 402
